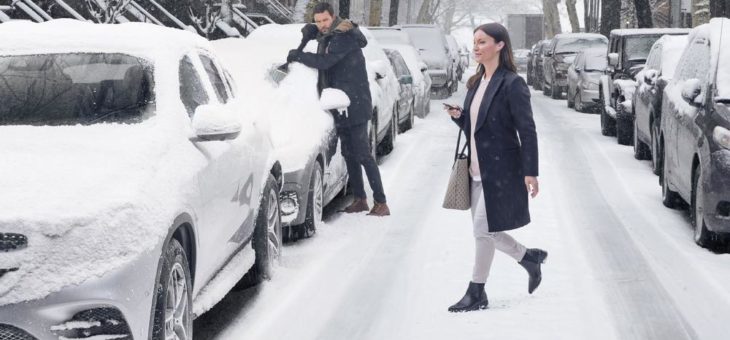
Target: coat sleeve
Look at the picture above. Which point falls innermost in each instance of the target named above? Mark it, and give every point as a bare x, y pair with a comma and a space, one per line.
339, 47
521, 111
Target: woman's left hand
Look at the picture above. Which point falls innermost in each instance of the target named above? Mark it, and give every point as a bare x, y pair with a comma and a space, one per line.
532, 186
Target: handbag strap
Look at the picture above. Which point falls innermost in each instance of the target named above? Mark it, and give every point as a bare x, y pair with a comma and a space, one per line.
458, 142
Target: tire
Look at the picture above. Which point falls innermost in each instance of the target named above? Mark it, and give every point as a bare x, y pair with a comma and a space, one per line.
388, 144
641, 150
570, 98
578, 102
670, 198
608, 124
624, 127
555, 91
545, 89
657, 153
529, 80
315, 204
454, 87
702, 236
408, 124
174, 285
267, 239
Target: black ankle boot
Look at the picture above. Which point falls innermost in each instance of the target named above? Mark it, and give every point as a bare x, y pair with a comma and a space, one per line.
531, 262
474, 299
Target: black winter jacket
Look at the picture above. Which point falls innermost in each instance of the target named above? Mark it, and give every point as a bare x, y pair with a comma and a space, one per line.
341, 64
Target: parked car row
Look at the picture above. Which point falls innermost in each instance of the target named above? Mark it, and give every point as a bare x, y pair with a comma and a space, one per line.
666, 92
172, 168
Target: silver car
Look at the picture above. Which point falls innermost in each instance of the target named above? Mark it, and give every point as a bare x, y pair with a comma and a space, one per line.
135, 190
583, 77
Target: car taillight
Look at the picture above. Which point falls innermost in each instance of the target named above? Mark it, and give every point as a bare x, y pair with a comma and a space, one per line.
721, 136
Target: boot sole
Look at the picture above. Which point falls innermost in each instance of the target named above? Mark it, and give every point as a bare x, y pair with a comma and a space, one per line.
479, 306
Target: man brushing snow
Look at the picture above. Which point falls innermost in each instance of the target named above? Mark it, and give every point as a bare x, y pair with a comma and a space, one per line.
341, 65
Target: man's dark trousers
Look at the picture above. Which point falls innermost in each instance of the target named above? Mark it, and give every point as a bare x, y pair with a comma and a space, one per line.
356, 151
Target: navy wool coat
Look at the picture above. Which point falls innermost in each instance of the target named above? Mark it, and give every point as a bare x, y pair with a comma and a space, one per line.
506, 147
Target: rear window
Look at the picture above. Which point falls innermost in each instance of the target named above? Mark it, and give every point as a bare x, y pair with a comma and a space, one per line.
74, 88
427, 38
637, 48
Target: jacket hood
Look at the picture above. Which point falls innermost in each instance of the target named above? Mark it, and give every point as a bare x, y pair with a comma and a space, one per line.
345, 26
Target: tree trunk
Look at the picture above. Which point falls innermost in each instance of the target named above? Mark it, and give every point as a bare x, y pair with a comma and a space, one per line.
226, 13
552, 18
610, 16
345, 9
643, 14
719, 8
449, 16
573, 15
393, 15
424, 13
376, 11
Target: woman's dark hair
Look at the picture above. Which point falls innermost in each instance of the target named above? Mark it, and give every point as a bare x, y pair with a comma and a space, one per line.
322, 7
506, 59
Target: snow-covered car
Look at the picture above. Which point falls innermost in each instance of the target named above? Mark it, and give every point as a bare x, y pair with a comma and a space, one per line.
695, 132
583, 76
384, 89
136, 189
431, 43
521, 56
390, 35
534, 66
455, 60
419, 72
560, 54
303, 134
647, 100
407, 102
627, 52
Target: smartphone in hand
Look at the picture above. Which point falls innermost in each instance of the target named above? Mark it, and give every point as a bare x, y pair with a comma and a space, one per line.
451, 107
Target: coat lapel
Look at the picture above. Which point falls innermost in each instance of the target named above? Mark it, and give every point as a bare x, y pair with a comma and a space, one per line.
492, 88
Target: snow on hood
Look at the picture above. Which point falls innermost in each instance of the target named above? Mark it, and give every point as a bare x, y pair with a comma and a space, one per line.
298, 124
89, 199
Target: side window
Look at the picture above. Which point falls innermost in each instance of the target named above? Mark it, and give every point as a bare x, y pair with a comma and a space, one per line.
215, 78
578, 62
402, 66
695, 61
652, 61
192, 91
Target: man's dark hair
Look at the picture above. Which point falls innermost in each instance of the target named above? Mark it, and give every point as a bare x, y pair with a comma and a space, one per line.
322, 7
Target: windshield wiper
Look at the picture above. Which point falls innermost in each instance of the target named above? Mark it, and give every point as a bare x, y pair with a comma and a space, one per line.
722, 100
126, 108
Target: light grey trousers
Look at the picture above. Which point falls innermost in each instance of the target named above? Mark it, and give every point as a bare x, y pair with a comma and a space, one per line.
485, 241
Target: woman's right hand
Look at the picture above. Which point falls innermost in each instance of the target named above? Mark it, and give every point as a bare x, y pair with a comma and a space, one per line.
454, 112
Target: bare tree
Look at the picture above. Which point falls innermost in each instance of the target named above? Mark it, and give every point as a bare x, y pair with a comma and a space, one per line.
393, 14
376, 11
106, 12
345, 9
206, 22
643, 13
719, 8
573, 15
610, 16
552, 17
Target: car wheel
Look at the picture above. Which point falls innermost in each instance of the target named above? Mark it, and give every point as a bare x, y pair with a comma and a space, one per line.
173, 316
608, 125
545, 89
315, 204
267, 240
624, 127
578, 102
702, 236
570, 99
670, 198
529, 78
388, 143
656, 149
408, 124
641, 150
555, 91
454, 87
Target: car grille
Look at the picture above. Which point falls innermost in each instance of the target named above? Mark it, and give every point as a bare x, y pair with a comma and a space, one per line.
11, 242
8, 332
106, 321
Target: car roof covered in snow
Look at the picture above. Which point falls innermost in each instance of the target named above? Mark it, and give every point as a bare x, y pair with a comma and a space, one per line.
579, 35
648, 31
68, 35
718, 32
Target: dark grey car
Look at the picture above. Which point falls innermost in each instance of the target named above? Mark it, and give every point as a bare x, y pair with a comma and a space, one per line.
560, 54
407, 101
583, 77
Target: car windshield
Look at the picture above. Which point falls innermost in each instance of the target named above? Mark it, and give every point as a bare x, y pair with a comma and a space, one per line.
595, 62
637, 48
74, 88
575, 45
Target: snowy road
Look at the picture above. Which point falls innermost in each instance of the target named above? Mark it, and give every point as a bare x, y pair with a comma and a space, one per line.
621, 265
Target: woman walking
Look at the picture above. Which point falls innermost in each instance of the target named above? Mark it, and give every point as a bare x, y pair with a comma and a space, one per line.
503, 162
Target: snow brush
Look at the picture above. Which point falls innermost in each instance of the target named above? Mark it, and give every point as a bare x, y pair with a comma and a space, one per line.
278, 73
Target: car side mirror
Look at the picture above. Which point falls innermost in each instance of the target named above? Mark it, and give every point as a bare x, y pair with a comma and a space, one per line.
333, 99
613, 59
215, 122
650, 77
381, 70
406, 79
578, 69
422, 66
691, 90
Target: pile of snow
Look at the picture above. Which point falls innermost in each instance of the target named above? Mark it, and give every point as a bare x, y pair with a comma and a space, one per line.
298, 124
334, 99
672, 48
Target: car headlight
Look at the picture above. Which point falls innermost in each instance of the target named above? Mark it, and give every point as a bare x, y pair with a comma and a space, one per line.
721, 136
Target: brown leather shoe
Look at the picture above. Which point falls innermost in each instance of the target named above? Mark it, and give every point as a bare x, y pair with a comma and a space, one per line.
358, 205
380, 209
